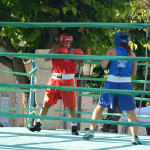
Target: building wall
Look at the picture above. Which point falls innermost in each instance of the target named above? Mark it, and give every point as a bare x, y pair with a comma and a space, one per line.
8, 99
15, 97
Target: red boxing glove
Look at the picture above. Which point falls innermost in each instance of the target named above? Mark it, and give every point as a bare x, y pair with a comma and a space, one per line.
61, 50
78, 51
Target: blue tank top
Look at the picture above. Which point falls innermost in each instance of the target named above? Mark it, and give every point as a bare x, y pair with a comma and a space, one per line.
119, 67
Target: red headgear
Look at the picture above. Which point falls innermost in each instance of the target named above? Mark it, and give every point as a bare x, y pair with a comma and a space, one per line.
65, 38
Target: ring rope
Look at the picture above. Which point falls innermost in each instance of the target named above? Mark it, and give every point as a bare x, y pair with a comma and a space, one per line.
77, 57
73, 24
95, 95
68, 88
66, 111
15, 90
103, 114
102, 79
20, 73
81, 120
11, 108
98, 63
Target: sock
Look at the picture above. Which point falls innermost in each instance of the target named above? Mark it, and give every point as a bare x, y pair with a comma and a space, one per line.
73, 124
39, 120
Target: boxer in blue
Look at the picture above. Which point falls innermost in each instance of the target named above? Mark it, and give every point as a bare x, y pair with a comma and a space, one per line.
119, 77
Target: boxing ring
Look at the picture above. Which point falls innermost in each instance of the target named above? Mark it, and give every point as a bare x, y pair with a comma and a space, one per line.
22, 138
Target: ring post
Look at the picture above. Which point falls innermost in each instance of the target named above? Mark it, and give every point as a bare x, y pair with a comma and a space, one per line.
31, 97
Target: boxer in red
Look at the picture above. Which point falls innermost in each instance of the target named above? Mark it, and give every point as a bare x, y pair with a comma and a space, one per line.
63, 72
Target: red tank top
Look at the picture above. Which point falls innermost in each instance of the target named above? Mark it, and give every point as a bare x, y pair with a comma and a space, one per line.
66, 66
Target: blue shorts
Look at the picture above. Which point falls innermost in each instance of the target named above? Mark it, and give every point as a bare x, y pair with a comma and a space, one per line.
124, 102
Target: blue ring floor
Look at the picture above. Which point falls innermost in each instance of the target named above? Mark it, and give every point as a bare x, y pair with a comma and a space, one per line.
20, 138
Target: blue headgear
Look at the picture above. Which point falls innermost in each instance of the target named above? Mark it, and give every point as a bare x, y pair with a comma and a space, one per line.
121, 38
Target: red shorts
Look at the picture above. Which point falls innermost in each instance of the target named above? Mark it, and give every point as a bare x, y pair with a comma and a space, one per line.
68, 97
